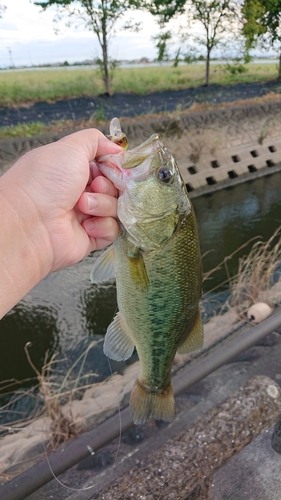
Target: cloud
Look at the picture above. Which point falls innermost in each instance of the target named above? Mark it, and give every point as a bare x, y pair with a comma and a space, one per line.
28, 33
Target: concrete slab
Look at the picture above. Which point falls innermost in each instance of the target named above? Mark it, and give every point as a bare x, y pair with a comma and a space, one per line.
252, 474
181, 468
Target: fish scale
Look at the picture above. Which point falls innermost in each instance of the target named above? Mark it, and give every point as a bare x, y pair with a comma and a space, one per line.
158, 271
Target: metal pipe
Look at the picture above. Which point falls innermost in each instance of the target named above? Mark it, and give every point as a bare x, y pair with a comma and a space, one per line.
80, 448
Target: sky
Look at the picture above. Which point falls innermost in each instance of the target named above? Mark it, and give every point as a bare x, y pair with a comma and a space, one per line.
27, 37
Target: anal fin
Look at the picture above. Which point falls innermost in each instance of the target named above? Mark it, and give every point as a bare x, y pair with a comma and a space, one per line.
117, 343
195, 339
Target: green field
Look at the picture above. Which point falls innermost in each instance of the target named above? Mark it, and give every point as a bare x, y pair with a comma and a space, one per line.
24, 87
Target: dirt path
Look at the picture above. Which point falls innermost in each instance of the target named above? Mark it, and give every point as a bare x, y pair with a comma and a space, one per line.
131, 105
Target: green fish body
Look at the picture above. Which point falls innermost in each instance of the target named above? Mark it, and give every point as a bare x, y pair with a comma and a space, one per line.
157, 264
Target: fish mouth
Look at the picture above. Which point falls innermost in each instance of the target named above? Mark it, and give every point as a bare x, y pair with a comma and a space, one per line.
134, 165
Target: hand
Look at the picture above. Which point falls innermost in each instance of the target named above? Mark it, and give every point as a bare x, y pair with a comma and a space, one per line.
57, 179
55, 209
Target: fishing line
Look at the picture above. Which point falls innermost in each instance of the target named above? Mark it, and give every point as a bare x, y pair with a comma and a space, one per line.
90, 451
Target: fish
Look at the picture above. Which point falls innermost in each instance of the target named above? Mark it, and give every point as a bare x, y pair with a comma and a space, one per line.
157, 265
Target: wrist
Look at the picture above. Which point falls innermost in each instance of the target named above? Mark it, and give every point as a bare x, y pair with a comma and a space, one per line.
24, 243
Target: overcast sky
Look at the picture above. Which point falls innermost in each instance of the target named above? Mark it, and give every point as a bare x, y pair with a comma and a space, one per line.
27, 37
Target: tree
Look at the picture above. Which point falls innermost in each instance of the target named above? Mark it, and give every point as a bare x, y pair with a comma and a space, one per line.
162, 40
99, 17
262, 24
216, 17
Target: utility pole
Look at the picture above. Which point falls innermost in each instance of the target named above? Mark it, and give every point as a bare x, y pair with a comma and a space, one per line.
11, 58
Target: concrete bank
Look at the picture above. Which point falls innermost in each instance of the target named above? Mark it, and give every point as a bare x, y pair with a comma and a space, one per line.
213, 148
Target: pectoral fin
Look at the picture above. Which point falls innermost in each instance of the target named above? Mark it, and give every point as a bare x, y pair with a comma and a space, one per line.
104, 267
195, 339
138, 271
117, 343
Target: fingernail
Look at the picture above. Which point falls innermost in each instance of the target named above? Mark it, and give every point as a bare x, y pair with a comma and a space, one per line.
90, 224
92, 202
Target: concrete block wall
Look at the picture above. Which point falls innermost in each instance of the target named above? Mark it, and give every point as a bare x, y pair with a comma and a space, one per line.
230, 163
212, 148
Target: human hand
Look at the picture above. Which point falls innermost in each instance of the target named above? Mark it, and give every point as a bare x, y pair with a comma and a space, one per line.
75, 204
48, 218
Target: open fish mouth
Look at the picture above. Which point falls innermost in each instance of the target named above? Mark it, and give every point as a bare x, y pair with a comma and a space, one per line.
130, 165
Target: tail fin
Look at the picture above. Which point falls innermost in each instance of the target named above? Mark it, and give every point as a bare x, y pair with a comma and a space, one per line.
144, 404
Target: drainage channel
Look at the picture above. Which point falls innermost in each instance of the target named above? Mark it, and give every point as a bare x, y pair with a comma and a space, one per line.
75, 451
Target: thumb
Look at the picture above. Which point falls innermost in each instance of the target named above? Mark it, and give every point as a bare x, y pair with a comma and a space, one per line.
92, 142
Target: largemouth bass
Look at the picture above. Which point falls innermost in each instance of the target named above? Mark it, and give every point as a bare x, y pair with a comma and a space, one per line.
157, 264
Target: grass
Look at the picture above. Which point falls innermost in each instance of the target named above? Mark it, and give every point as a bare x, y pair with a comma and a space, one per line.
56, 387
23, 130
26, 87
256, 273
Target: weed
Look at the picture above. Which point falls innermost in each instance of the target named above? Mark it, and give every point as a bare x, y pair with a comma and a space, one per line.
62, 426
57, 392
215, 146
264, 133
196, 150
236, 67
22, 130
99, 115
256, 273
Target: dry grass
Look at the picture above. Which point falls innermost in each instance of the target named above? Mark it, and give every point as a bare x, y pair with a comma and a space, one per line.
255, 273
55, 392
62, 426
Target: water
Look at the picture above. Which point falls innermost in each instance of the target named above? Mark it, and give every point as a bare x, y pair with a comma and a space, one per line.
64, 313
128, 64
231, 217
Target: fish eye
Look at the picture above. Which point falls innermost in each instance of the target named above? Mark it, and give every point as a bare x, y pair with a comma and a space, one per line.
165, 175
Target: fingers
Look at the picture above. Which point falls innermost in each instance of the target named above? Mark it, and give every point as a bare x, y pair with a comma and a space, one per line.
101, 230
103, 185
94, 172
97, 204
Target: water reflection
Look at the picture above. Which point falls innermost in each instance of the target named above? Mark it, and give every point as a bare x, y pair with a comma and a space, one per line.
27, 323
36, 324
100, 305
229, 218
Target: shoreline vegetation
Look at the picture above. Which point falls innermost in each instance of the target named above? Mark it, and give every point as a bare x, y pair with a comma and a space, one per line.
20, 88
